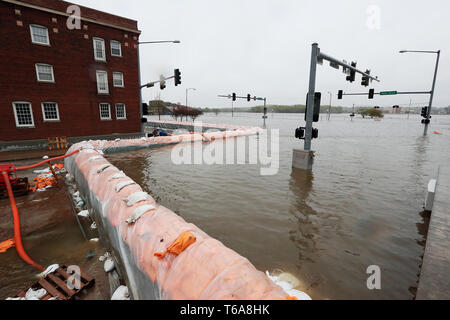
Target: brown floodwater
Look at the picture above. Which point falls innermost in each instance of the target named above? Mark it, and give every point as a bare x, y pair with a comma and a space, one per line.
360, 206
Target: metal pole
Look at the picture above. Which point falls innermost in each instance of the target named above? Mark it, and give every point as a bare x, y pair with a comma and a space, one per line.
232, 108
329, 109
140, 92
311, 97
265, 111
187, 97
409, 110
432, 92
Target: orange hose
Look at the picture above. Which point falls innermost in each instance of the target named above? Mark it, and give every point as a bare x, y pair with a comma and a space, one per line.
17, 235
46, 161
16, 216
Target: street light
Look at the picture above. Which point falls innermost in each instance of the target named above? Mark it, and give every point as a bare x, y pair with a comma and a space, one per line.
139, 75
187, 90
438, 52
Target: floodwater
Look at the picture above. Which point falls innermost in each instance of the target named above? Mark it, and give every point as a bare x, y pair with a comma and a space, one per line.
360, 206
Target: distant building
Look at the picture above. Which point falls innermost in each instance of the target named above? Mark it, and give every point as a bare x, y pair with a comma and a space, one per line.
60, 82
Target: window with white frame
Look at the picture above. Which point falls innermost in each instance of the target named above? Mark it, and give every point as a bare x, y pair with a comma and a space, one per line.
121, 113
39, 34
102, 82
23, 113
105, 111
44, 72
118, 79
99, 49
116, 48
50, 111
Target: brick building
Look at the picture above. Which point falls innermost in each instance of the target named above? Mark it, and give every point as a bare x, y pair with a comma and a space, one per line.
57, 82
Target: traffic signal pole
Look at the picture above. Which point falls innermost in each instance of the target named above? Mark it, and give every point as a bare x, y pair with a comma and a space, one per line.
432, 93
304, 159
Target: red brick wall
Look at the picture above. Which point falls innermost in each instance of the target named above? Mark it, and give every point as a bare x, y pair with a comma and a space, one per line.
75, 87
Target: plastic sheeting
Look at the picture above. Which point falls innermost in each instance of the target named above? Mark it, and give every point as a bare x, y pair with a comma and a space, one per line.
205, 270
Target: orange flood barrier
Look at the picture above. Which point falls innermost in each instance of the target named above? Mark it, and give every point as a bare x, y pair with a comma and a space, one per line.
194, 265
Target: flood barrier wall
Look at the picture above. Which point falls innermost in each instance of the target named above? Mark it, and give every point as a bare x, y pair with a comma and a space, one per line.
205, 270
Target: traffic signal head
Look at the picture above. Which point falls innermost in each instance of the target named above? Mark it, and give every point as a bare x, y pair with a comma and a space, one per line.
340, 94
315, 133
366, 79
234, 97
249, 98
371, 93
425, 112
162, 82
300, 133
177, 77
352, 75
316, 107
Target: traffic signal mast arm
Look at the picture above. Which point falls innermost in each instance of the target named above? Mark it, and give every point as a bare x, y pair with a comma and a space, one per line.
323, 56
388, 93
151, 84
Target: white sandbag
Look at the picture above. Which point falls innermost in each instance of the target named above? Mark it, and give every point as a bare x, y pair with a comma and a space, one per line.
118, 175
35, 295
124, 184
103, 168
136, 198
121, 294
139, 212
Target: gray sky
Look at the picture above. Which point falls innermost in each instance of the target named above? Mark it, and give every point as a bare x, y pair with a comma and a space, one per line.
263, 47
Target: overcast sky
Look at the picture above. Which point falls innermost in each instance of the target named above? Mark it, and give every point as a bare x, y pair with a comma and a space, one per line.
263, 47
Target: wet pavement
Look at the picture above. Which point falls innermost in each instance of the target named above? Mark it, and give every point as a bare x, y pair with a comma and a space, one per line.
51, 235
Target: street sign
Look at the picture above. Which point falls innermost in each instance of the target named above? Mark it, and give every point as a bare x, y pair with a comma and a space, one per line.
388, 93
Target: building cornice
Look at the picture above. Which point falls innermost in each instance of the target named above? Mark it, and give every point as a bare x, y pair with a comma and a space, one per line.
65, 14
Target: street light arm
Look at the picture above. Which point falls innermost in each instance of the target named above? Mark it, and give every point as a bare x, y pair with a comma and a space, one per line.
419, 51
163, 41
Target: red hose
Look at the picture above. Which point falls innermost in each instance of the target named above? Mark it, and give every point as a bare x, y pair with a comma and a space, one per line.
17, 234
46, 161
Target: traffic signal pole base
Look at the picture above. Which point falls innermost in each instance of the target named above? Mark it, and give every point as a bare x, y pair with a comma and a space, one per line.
303, 159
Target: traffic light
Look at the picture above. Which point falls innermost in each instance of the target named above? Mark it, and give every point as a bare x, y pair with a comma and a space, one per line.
300, 133
366, 79
315, 133
162, 83
352, 75
317, 101
340, 94
234, 97
425, 112
249, 98
371, 93
177, 77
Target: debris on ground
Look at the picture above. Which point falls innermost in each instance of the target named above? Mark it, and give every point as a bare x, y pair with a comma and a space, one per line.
6, 245
45, 179
84, 214
109, 265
